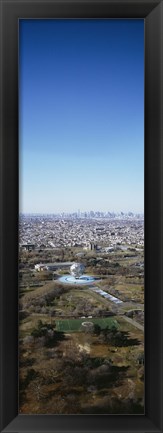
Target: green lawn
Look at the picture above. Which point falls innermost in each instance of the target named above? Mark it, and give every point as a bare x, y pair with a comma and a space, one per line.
74, 325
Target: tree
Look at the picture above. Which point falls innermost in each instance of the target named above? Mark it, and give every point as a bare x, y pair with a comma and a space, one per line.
97, 329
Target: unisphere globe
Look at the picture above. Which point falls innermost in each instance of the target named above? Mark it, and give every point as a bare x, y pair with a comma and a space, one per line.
77, 269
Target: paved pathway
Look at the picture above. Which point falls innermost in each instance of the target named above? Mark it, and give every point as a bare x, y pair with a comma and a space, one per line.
106, 295
134, 323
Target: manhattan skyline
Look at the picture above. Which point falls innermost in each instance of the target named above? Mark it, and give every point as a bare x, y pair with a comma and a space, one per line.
81, 117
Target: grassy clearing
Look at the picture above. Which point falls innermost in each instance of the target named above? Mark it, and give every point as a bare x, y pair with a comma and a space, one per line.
74, 325
131, 291
127, 292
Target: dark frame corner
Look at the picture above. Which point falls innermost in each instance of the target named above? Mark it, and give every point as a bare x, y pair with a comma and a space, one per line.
152, 13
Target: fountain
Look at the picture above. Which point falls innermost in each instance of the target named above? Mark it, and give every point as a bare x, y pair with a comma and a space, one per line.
77, 277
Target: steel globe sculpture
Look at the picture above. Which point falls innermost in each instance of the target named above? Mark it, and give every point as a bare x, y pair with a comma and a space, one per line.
77, 269
77, 276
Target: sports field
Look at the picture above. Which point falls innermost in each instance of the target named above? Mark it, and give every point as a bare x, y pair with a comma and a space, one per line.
74, 325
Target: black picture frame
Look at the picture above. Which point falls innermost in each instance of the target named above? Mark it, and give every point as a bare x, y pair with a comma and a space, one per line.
152, 13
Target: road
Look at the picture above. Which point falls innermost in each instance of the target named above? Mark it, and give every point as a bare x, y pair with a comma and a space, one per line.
134, 323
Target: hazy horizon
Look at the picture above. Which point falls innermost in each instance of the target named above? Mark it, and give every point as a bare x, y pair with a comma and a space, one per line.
82, 212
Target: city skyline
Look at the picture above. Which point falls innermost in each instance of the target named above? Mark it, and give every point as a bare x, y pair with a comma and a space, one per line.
81, 98
79, 212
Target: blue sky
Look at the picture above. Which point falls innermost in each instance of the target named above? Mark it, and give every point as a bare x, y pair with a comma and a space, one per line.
81, 117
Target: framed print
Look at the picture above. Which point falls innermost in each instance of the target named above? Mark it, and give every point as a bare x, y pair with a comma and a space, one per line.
81, 277
72, 285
